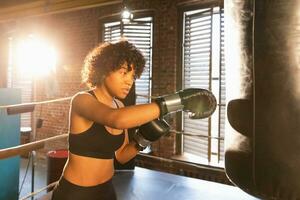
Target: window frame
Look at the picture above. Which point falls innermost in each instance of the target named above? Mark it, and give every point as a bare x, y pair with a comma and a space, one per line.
180, 67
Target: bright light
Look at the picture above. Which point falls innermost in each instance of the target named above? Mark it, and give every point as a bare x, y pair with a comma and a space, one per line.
126, 15
35, 57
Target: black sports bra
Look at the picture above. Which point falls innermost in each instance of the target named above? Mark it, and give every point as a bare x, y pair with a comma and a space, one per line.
95, 142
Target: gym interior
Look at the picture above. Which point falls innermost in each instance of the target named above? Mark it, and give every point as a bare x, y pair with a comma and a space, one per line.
246, 53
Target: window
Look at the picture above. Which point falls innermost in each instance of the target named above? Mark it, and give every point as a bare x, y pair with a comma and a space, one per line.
17, 79
138, 32
203, 67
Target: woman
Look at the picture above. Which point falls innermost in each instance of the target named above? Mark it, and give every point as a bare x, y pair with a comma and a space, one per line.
99, 122
98, 125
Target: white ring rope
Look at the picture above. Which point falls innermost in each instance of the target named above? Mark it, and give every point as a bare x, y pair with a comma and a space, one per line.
40, 190
29, 107
55, 100
36, 103
17, 150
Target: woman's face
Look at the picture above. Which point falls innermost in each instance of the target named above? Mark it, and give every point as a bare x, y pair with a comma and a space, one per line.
119, 82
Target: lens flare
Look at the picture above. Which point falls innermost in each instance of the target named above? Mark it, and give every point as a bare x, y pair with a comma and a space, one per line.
34, 57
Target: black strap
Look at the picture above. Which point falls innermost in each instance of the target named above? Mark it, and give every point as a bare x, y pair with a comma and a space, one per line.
116, 103
92, 93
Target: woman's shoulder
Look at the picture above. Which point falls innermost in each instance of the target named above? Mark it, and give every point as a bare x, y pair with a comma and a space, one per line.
81, 95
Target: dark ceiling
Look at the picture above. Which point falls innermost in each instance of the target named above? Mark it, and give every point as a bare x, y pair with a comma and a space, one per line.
14, 9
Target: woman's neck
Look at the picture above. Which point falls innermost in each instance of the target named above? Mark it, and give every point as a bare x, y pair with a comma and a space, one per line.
103, 95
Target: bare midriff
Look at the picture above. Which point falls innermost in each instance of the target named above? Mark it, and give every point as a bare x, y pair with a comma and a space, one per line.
87, 171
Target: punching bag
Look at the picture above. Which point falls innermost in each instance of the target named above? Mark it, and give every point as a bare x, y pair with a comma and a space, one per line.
262, 57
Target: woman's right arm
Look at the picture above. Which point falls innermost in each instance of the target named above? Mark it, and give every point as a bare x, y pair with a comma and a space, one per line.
88, 107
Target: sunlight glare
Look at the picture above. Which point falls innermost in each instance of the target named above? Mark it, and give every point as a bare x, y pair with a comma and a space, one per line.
35, 57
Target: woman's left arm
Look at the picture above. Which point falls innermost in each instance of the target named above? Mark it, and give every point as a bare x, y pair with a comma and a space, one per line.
127, 151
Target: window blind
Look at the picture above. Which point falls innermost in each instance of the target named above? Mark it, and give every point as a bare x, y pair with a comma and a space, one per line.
203, 67
138, 32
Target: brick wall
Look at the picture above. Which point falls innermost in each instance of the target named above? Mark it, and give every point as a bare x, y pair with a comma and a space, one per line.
74, 34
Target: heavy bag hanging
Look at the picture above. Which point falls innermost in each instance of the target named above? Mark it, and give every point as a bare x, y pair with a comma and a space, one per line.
262, 56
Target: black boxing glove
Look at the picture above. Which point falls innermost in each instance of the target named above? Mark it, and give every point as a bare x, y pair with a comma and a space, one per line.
200, 103
150, 132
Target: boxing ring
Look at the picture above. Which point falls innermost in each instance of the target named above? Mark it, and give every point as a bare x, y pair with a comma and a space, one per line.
145, 184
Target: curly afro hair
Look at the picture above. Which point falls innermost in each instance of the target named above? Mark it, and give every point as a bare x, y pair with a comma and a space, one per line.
108, 57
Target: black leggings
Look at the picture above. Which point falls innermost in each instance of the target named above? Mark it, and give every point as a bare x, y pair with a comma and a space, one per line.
65, 190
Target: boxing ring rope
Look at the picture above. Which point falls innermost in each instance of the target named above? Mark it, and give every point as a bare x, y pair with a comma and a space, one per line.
35, 145
29, 107
25, 148
31, 146
36, 103
39, 191
53, 101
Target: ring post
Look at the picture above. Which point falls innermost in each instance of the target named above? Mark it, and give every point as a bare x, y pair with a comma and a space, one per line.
9, 136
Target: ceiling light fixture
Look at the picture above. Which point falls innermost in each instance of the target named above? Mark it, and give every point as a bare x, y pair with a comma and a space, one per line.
126, 15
